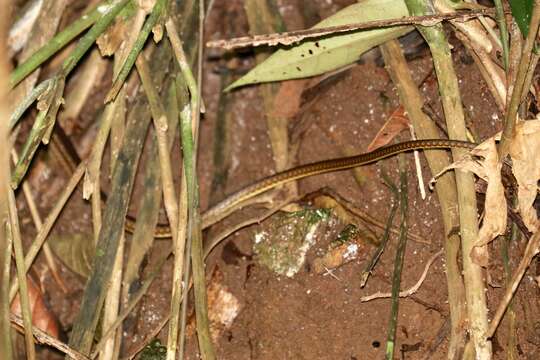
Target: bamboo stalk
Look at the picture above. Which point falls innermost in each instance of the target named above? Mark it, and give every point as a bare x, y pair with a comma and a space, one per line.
466, 195
445, 187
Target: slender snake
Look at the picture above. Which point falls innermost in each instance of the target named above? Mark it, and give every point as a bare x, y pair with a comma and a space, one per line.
69, 159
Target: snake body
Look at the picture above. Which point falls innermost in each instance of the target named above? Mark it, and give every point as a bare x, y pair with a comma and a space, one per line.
69, 160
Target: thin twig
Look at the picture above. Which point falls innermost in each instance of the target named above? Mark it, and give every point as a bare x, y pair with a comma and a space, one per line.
292, 37
38, 223
400, 256
386, 235
409, 291
532, 249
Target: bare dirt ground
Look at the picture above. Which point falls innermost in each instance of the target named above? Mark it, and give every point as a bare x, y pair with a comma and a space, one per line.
320, 316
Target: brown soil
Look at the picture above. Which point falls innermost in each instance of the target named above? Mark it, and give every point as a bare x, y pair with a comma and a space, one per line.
320, 316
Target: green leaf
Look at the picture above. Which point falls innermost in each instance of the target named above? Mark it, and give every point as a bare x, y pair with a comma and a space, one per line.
522, 12
317, 56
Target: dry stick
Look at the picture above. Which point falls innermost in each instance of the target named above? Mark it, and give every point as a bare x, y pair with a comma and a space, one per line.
179, 286
160, 125
292, 37
49, 222
445, 187
190, 130
44, 338
409, 291
532, 249
519, 85
190, 139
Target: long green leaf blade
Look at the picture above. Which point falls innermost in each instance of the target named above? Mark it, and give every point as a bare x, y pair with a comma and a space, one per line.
314, 57
522, 12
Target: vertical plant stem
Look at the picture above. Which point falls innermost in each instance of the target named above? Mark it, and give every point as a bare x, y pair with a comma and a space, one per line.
160, 125
189, 130
510, 313
501, 21
6, 248
38, 223
445, 187
400, 255
520, 86
455, 120
5, 176
21, 274
48, 224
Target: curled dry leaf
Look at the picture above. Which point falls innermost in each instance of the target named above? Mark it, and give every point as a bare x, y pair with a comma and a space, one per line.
42, 317
524, 150
484, 162
396, 123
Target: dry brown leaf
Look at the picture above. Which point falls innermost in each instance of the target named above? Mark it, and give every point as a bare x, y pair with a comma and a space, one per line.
525, 151
484, 162
396, 123
109, 42
42, 317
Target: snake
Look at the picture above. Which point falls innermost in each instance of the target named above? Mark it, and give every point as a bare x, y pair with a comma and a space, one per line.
69, 159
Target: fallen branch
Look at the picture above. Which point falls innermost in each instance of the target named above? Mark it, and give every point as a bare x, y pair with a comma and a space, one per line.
291, 37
